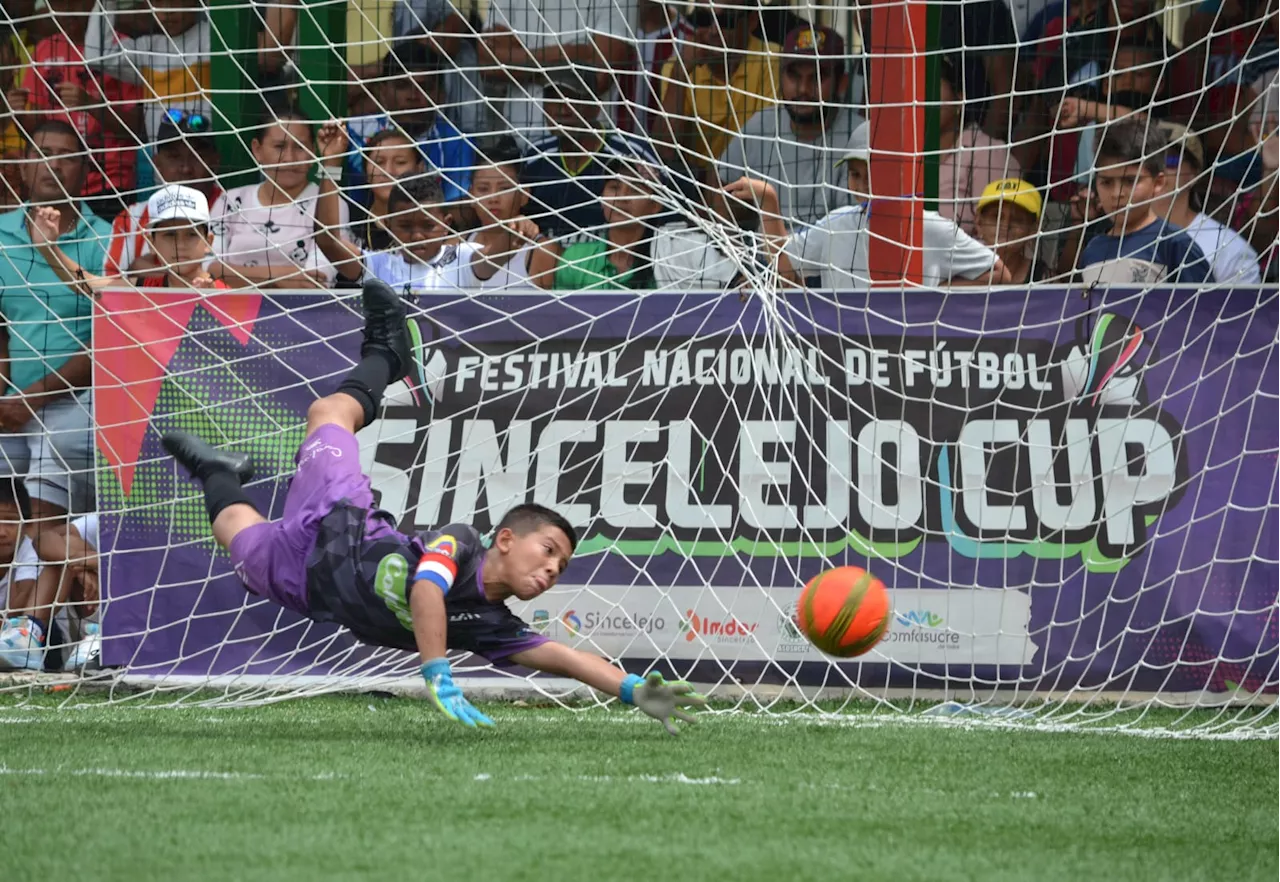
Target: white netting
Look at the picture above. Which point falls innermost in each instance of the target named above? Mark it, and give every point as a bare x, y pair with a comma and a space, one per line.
1070, 491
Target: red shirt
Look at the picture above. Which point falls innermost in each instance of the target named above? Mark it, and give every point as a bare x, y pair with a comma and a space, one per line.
56, 60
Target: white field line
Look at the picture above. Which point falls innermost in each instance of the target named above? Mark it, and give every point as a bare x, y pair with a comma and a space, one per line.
162, 774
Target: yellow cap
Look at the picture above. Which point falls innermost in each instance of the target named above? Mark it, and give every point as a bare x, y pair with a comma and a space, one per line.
1014, 190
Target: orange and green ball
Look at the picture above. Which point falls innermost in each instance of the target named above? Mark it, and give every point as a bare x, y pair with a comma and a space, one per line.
844, 612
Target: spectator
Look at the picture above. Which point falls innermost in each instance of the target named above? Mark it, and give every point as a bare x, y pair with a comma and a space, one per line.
710, 257
661, 28
1139, 248
438, 25
797, 147
424, 254
410, 89
185, 154
982, 34
44, 414
1231, 259
22, 623
264, 234
103, 109
389, 156
619, 257
1260, 207
171, 63
506, 240
720, 79
835, 253
68, 582
1009, 223
564, 173
177, 234
970, 159
525, 38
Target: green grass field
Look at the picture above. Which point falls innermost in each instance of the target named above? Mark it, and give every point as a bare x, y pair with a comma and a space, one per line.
354, 787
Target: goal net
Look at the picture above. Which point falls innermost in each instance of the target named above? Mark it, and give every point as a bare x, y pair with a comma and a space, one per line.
978, 298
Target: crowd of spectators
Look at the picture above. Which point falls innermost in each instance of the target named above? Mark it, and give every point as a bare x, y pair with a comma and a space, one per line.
592, 145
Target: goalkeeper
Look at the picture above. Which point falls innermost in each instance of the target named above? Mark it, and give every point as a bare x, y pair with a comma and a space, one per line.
335, 558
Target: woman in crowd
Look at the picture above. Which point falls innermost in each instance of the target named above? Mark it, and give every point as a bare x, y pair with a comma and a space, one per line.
389, 156
264, 234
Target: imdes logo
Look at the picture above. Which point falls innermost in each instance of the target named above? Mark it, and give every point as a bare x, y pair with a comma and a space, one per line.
722, 630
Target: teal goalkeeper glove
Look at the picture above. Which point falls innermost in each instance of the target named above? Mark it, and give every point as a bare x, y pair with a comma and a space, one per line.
663, 701
448, 697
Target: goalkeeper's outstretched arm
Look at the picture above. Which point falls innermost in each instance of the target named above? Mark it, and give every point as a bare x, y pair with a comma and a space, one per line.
665, 702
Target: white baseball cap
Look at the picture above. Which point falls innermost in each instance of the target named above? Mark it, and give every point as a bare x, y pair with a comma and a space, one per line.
859, 146
174, 202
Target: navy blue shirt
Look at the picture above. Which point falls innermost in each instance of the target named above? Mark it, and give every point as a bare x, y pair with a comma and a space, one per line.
563, 199
1160, 252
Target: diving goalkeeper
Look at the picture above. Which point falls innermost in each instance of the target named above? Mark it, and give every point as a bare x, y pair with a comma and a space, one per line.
333, 557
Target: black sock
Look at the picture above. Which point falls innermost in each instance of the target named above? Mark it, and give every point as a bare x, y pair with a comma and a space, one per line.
367, 381
221, 490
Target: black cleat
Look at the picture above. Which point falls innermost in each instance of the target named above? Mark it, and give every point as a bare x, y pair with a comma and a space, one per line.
385, 327
203, 459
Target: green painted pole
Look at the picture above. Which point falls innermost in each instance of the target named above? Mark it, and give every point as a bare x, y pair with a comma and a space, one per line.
233, 69
322, 38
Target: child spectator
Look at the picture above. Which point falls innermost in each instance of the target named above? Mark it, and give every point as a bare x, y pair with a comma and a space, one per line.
177, 234
67, 587
264, 234
389, 156
620, 259
186, 154
172, 62
1139, 248
1009, 223
970, 159
22, 622
835, 253
1231, 259
411, 95
506, 241
105, 110
424, 253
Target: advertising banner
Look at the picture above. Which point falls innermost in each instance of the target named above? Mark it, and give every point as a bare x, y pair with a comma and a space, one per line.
1057, 491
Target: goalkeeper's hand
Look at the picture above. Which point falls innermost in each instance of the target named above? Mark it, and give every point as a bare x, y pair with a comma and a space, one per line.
448, 697
663, 701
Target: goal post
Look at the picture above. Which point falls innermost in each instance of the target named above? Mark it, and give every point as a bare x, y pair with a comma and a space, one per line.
1068, 483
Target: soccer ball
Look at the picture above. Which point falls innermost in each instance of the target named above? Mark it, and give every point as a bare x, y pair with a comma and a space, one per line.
844, 612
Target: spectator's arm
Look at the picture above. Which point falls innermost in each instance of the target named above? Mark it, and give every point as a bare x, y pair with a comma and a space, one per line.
764, 198
344, 255
677, 127
279, 24
999, 70
543, 263
44, 236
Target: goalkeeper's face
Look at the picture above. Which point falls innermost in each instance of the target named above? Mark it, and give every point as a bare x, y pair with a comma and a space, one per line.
532, 562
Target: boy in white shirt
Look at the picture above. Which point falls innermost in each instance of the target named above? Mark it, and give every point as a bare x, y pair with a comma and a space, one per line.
836, 250
426, 254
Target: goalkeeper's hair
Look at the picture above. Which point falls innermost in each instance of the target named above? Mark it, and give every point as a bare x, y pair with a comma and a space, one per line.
1134, 141
14, 492
525, 518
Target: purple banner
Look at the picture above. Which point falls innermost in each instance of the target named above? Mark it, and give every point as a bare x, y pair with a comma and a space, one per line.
1058, 491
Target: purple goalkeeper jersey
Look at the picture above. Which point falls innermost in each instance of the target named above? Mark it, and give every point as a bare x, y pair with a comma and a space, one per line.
359, 575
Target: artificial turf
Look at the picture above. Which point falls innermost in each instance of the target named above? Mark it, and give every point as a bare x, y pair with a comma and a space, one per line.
354, 787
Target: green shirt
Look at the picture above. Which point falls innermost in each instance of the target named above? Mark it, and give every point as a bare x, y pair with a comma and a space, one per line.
47, 321
585, 266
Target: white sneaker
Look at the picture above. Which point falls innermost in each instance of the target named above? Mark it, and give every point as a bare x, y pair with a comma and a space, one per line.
20, 648
86, 652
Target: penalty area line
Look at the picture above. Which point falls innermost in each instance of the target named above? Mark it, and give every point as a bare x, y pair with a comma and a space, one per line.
164, 774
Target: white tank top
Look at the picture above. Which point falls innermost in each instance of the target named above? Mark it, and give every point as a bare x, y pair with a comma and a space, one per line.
513, 275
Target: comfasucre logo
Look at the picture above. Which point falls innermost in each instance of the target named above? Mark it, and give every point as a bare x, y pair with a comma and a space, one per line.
919, 618
694, 625
571, 622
